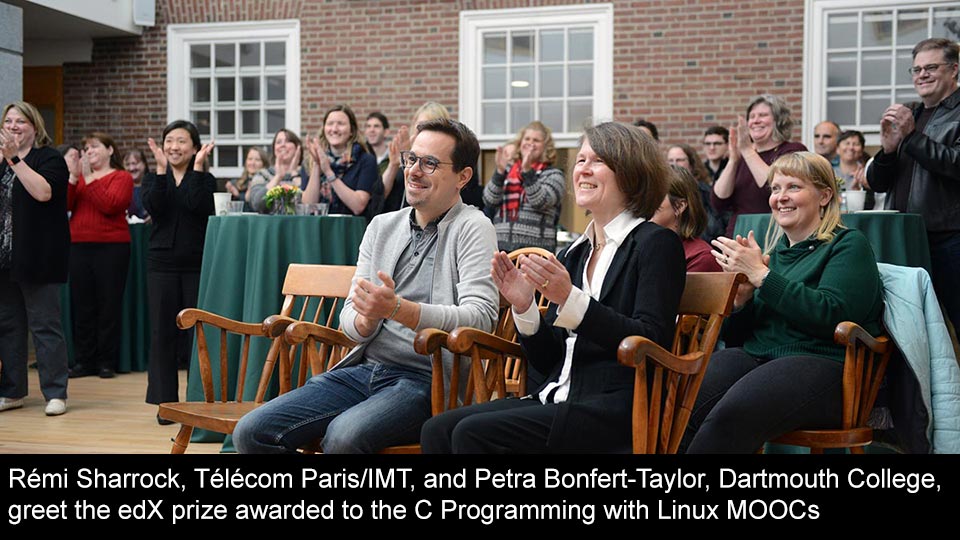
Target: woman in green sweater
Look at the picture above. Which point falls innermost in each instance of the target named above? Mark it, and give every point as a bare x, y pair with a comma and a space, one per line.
815, 273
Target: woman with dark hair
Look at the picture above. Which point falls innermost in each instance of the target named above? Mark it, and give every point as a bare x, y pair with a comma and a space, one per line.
179, 198
623, 277
814, 274
34, 248
526, 190
98, 197
287, 169
682, 212
683, 155
344, 175
852, 168
135, 163
755, 143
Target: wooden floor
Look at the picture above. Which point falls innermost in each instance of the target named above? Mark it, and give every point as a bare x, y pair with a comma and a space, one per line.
103, 416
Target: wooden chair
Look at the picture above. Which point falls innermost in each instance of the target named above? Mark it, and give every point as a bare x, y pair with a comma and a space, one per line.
864, 366
328, 284
515, 371
666, 388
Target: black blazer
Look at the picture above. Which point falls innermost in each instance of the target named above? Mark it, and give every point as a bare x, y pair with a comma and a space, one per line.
179, 217
640, 296
41, 238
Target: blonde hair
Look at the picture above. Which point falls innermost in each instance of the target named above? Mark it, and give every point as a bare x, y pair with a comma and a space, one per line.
813, 168
549, 148
432, 110
35, 118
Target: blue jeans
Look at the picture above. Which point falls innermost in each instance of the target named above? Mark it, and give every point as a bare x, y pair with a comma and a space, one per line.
356, 409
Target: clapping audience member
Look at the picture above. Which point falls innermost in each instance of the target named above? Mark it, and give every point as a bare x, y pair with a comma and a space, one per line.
287, 169
853, 162
344, 174
98, 196
620, 176
34, 248
682, 212
179, 198
253, 167
716, 143
825, 140
754, 144
683, 155
526, 190
815, 274
376, 130
135, 163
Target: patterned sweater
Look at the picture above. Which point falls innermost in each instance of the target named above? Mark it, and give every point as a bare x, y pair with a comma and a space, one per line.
536, 223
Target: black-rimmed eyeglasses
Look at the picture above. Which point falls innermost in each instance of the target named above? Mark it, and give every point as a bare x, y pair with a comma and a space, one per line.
428, 164
915, 71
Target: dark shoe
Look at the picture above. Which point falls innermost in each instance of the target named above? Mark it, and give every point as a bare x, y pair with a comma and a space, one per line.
106, 373
80, 371
164, 421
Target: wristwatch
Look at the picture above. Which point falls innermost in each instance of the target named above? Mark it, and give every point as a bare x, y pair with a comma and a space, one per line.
14, 160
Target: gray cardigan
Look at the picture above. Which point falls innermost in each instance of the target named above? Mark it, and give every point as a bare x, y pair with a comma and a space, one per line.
463, 291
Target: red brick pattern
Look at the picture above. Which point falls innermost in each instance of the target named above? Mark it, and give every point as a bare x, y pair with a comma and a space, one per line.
684, 64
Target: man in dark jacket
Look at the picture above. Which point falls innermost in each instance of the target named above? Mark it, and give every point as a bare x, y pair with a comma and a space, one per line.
919, 164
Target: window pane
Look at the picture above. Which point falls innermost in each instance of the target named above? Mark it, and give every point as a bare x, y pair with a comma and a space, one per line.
904, 62
911, 26
905, 96
841, 107
946, 22
228, 156
521, 82
872, 105
877, 29
841, 70
495, 49
551, 81
551, 46
276, 88
494, 83
201, 90
275, 53
551, 114
581, 45
202, 120
250, 122
521, 114
579, 115
875, 68
226, 55
250, 88
276, 118
581, 80
841, 31
249, 54
226, 123
522, 48
200, 56
494, 118
226, 89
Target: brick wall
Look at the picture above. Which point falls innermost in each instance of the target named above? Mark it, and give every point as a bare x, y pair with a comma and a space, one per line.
684, 64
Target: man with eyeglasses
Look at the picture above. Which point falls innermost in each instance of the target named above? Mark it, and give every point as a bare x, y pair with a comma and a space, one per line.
716, 145
919, 163
427, 266
826, 137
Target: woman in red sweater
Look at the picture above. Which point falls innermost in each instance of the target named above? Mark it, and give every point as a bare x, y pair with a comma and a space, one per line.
99, 194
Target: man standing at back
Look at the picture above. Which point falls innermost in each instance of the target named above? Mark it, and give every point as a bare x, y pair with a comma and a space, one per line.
427, 266
826, 136
919, 163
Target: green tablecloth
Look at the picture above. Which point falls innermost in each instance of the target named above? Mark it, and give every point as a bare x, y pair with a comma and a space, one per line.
899, 239
245, 259
135, 328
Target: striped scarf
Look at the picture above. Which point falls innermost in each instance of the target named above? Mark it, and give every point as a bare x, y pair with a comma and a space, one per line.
513, 193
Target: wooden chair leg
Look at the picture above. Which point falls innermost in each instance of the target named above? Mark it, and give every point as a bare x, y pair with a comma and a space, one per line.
182, 440
856, 450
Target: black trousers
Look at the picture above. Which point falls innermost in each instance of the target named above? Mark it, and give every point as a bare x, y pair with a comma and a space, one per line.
169, 292
98, 275
502, 426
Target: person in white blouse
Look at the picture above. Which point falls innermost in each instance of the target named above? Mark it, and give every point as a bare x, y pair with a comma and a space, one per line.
623, 277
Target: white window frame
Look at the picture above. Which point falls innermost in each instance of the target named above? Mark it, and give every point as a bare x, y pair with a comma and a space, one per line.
181, 36
474, 23
814, 70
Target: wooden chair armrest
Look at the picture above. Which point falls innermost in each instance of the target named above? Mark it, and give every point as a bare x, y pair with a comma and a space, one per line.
634, 349
189, 317
429, 340
274, 325
298, 332
463, 338
847, 333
